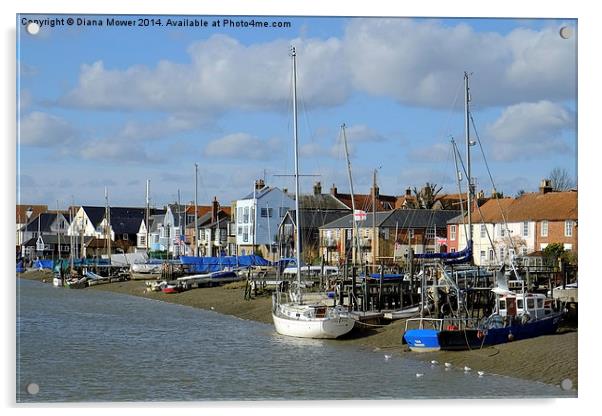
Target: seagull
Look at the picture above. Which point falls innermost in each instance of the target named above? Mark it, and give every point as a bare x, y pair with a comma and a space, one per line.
448, 365
376, 349
418, 375
387, 357
481, 373
467, 369
212, 308
434, 362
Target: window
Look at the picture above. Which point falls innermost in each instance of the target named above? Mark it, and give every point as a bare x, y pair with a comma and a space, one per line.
519, 303
539, 303
125, 236
530, 303
482, 255
245, 234
452, 232
266, 212
544, 228
411, 233
526, 229
246, 215
568, 228
239, 215
502, 253
453, 250
523, 251
202, 237
430, 233
483, 231
502, 304
142, 239
239, 231
502, 231
386, 233
490, 255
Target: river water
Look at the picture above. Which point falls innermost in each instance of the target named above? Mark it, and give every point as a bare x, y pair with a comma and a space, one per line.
94, 346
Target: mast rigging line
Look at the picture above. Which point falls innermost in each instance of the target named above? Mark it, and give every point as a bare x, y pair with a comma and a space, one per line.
477, 205
495, 189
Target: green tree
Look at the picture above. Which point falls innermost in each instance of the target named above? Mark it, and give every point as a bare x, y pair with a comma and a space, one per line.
552, 253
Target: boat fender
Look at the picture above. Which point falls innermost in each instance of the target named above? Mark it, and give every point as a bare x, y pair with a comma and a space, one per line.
452, 328
511, 337
480, 334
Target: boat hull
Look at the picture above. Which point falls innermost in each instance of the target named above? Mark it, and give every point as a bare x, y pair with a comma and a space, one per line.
472, 338
422, 340
325, 328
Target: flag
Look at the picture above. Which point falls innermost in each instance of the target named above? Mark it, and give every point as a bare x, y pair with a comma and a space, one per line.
359, 215
441, 241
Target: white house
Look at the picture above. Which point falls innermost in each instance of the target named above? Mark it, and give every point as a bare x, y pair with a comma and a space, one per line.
167, 231
258, 216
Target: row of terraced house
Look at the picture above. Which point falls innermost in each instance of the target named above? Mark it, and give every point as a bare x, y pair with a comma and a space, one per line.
264, 222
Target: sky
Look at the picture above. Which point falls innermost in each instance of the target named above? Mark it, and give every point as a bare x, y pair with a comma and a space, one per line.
101, 106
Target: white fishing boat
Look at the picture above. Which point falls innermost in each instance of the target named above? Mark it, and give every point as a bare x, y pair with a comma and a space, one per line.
292, 316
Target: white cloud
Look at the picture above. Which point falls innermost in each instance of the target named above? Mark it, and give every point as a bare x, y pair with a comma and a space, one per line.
416, 62
530, 130
437, 152
223, 74
46, 130
116, 151
242, 146
421, 62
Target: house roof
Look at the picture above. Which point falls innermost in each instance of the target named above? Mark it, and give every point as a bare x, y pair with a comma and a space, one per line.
315, 218
46, 219
364, 202
535, 206
445, 201
419, 218
21, 212
320, 202
124, 220
259, 193
53, 239
401, 218
347, 220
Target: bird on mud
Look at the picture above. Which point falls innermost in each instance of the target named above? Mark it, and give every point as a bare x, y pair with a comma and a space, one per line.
467, 369
481, 373
387, 357
434, 362
448, 365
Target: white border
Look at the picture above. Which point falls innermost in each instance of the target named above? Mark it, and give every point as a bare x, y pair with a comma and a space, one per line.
589, 133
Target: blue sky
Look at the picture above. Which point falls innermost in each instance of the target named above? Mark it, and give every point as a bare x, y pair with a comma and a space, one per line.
105, 106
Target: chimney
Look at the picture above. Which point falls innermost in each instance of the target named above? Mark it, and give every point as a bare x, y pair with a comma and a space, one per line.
214, 209
545, 186
259, 184
317, 188
375, 191
481, 195
408, 192
333, 190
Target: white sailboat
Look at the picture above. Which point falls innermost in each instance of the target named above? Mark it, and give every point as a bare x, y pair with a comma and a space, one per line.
292, 316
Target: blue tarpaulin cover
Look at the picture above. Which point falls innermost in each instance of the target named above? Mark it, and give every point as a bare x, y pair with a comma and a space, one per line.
43, 264
214, 264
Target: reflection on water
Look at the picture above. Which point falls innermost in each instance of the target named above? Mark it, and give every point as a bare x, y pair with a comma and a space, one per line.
81, 345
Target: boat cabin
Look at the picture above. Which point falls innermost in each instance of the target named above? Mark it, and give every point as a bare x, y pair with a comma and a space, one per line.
516, 305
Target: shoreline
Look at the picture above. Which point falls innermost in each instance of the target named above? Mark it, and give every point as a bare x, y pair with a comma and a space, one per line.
548, 359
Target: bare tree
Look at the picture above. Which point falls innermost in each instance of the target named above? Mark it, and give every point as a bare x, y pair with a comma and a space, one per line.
427, 196
561, 180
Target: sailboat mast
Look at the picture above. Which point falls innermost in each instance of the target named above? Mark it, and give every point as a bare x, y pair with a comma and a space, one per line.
374, 236
355, 242
196, 224
108, 224
468, 144
295, 136
58, 234
147, 214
